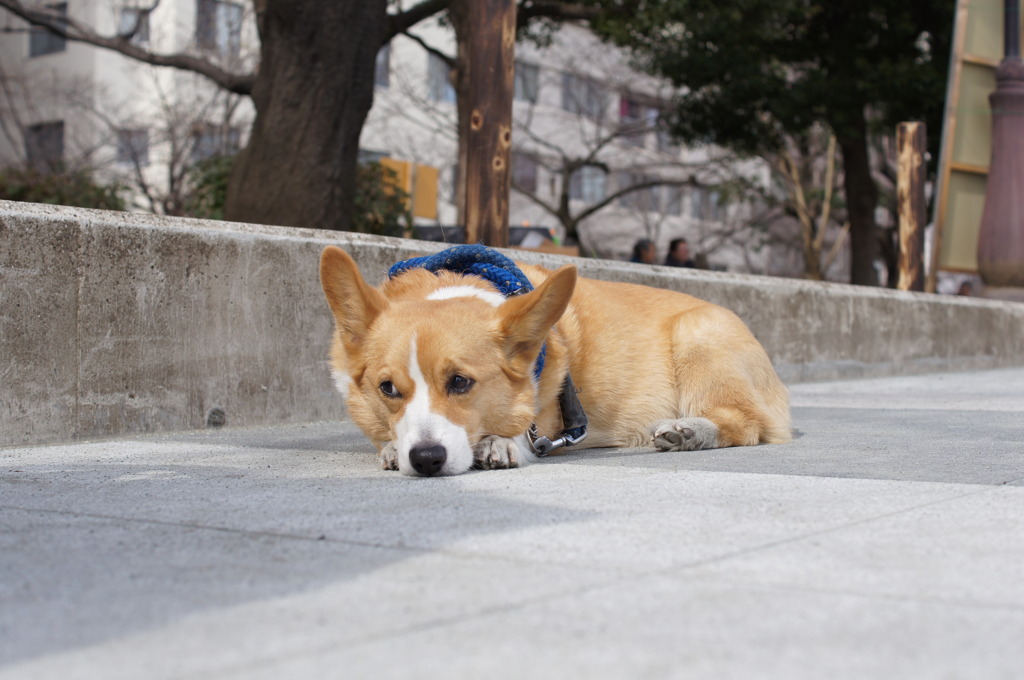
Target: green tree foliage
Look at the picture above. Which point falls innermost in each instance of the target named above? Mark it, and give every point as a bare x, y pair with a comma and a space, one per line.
209, 180
755, 70
75, 188
380, 204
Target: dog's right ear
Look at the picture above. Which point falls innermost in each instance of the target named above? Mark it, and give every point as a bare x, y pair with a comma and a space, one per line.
354, 302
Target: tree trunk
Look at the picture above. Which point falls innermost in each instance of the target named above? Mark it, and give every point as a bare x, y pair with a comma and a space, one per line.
458, 14
312, 94
861, 200
812, 258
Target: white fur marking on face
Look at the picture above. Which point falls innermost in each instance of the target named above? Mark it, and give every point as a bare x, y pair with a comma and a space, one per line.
492, 297
420, 426
342, 381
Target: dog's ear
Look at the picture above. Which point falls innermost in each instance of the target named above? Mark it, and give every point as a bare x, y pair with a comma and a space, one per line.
526, 319
355, 303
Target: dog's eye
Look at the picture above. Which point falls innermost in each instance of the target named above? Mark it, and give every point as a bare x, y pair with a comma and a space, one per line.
459, 384
389, 389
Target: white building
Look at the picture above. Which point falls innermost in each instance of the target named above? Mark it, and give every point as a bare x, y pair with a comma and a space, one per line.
576, 103
68, 104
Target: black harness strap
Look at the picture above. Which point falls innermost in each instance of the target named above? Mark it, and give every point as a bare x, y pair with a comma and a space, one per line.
574, 422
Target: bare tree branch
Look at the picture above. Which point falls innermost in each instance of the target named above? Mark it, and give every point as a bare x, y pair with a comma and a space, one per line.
552, 9
141, 15
526, 128
836, 247
610, 198
826, 205
449, 60
403, 21
532, 196
70, 29
528, 9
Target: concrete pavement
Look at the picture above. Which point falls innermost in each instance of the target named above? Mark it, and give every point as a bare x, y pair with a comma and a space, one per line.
886, 541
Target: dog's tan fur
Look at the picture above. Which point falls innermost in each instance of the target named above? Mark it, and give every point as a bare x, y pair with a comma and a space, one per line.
637, 355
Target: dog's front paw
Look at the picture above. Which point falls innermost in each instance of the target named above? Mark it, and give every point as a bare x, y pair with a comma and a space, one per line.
497, 453
684, 434
389, 457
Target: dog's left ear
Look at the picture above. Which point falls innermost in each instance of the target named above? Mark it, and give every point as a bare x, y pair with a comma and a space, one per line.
526, 319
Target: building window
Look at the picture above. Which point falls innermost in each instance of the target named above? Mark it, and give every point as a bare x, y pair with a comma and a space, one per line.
636, 119
646, 199
524, 172
716, 211
133, 147
666, 142
697, 198
588, 184
371, 156
583, 96
673, 200
635, 112
219, 27
439, 82
382, 68
44, 146
42, 41
707, 205
134, 23
527, 82
209, 141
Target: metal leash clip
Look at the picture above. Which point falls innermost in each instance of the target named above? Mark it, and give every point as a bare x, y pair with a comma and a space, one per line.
542, 446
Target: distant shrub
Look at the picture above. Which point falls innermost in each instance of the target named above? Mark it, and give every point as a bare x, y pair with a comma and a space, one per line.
381, 206
74, 188
209, 181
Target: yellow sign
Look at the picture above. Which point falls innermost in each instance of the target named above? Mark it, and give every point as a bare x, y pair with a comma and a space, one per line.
419, 182
424, 195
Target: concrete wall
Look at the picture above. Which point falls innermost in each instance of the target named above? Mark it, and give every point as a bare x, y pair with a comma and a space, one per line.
114, 322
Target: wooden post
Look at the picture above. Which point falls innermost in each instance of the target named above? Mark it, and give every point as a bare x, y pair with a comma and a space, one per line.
910, 180
491, 78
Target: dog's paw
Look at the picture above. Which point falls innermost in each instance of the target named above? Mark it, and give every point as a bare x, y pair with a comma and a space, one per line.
684, 434
497, 453
389, 457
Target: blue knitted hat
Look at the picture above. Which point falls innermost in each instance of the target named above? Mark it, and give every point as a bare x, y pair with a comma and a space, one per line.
481, 261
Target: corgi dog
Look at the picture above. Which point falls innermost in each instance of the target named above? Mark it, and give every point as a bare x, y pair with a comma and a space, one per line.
440, 369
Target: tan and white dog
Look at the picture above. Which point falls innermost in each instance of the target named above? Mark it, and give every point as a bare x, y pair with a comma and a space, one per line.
438, 368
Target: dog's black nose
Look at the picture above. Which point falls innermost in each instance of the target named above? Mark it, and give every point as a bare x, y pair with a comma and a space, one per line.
428, 460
